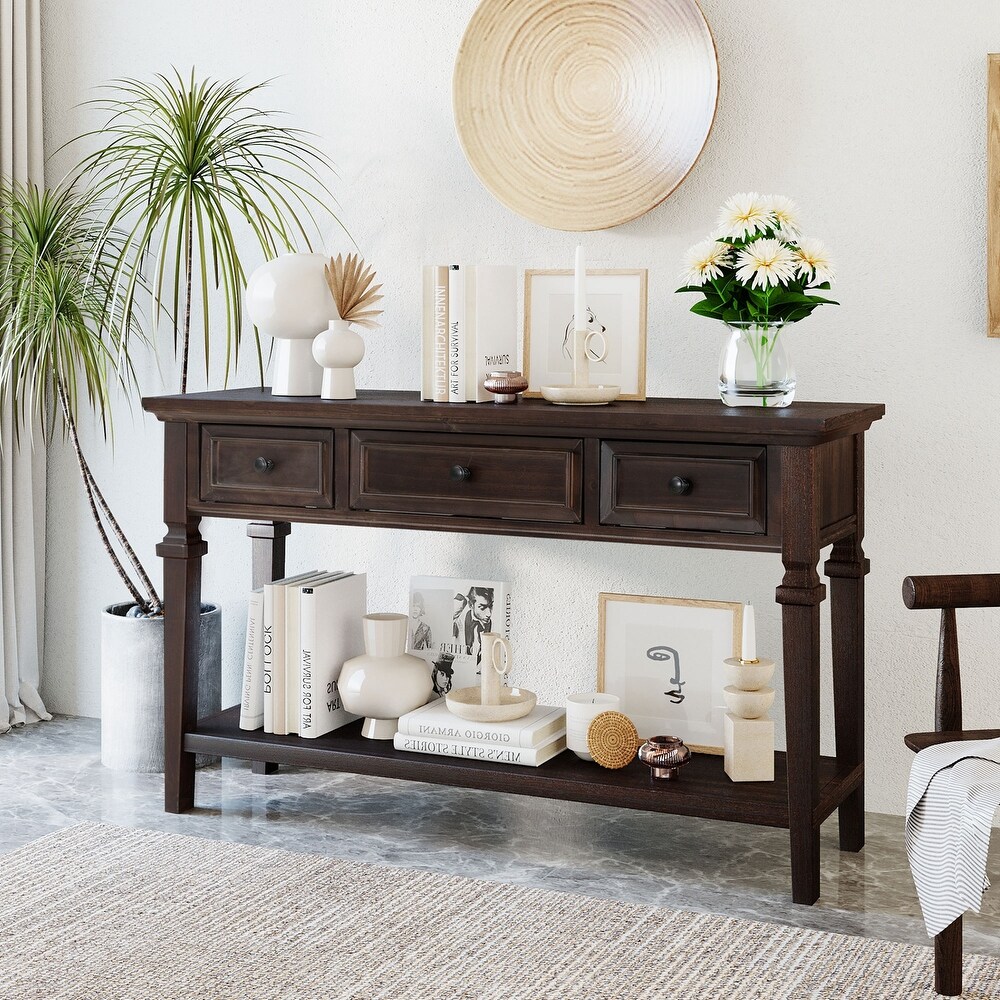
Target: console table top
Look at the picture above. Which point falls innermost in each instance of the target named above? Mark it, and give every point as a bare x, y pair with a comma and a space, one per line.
801, 420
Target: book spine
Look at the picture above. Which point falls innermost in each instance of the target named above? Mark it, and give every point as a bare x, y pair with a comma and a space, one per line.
307, 639
495, 323
267, 656
472, 388
440, 373
274, 601
456, 335
252, 705
293, 663
503, 734
427, 334
478, 751
432, 730
501, 610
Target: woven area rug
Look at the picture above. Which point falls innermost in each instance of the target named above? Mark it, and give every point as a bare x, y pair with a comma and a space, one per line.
106, 913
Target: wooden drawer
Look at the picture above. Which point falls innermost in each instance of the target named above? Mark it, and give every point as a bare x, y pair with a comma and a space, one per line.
275, 466
724, 486
471, 475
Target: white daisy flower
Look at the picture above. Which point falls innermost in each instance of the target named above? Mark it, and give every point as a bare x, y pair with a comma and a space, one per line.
785, 213
705, 261
813, 261
743, 215
764, 263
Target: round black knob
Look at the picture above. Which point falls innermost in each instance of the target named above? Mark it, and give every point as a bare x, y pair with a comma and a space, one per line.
263, 464
679, 485
460, 473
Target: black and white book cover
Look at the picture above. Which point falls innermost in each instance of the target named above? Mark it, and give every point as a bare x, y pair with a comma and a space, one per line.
448, 616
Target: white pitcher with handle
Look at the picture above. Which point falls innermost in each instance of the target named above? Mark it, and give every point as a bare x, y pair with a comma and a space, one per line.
494, 664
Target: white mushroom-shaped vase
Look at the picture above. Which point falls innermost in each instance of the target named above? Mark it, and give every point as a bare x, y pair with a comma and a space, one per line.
288, 299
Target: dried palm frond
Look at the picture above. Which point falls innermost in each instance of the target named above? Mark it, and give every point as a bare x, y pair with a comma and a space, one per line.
354, 295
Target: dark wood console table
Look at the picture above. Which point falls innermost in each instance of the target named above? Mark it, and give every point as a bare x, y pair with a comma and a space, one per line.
664, 472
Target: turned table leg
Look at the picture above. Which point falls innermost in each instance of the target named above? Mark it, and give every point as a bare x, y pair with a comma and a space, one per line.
800, 595
182, 549
268, 564
847, 568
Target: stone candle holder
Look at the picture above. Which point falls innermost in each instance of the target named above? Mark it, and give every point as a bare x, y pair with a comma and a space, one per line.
749, 734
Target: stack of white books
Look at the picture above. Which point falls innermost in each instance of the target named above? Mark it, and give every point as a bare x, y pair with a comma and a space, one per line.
530, 741
300, 631
469, 329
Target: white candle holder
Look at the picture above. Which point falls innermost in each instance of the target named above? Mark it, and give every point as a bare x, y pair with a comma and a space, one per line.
582, 392
748, 732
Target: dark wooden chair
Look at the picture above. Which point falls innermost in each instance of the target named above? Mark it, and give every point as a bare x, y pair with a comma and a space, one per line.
948, 593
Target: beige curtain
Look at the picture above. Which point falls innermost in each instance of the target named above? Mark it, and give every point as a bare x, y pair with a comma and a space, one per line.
22, 471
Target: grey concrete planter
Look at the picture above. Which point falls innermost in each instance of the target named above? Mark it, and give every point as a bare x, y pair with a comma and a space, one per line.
132, 686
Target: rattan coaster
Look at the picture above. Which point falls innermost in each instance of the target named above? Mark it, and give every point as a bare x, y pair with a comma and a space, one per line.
612, 740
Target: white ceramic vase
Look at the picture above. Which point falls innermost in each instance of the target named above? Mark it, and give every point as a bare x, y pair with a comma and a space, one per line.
288, 299
338, 350
385, 682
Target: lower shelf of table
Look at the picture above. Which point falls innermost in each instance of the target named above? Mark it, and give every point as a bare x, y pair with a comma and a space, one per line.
703, 789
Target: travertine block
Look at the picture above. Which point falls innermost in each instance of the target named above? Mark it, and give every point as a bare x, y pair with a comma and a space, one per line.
749, 745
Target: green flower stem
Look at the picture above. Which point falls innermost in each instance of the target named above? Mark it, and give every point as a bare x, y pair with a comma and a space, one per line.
761, 352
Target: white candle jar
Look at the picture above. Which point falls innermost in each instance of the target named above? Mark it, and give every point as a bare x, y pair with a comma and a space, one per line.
581, 710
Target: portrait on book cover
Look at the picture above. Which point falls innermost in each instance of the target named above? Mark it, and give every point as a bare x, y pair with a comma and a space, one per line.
448, 618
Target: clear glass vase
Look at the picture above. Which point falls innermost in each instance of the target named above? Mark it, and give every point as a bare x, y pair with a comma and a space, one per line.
754, 369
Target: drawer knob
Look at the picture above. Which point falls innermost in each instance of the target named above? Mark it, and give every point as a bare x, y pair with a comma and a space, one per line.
461, 473
263, 464
679, 486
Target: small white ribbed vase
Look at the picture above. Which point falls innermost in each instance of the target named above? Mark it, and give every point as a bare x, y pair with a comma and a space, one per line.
338, 349
385, 682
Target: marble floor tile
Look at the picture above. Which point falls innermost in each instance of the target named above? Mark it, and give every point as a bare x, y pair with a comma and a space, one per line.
51, 777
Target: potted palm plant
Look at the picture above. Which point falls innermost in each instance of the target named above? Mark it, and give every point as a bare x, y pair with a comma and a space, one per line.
186, 168
63, 348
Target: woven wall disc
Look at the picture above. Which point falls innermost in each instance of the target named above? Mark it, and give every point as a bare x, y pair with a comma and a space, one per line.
612, 739
584, 114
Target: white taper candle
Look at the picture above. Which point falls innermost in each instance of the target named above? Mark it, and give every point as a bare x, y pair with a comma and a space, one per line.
749, 634
580, 290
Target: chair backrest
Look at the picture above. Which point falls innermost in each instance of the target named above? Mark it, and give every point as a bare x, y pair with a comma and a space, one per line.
980, 590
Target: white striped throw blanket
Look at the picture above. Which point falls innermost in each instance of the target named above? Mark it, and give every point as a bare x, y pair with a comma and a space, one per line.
954, 792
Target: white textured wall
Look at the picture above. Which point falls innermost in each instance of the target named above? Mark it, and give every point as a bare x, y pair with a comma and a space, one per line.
870, 115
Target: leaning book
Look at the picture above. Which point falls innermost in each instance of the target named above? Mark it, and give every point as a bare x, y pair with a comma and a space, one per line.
442, 747
252, 703
448, 616
535, 729
330, 616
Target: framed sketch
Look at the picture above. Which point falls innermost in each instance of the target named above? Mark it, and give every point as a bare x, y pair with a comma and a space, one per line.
616, 305
663, 657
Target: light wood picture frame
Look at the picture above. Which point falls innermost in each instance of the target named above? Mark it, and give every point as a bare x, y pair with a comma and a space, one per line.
617, 298
993, 194
663, 657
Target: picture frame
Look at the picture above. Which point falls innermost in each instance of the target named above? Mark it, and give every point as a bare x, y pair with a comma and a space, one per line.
617, 300
663, 657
